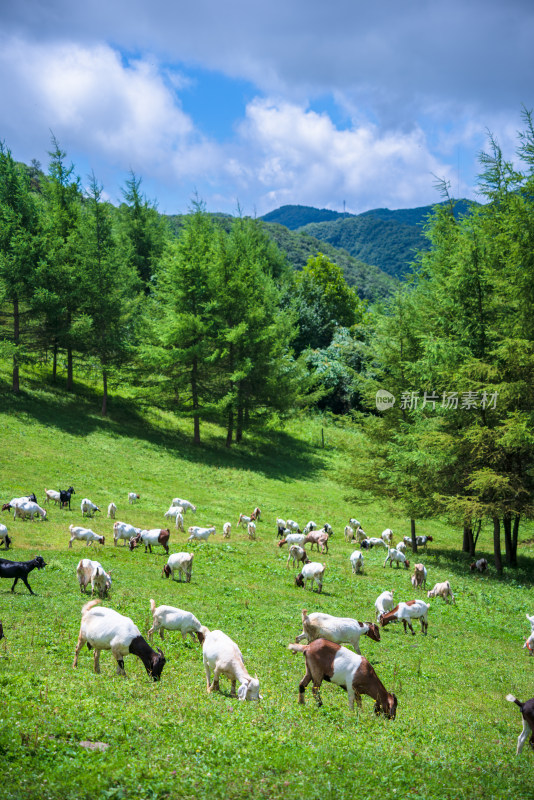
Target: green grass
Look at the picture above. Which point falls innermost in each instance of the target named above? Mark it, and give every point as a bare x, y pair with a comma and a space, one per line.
454, 736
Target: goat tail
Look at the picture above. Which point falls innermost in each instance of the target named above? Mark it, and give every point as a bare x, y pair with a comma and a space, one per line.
152, 605
88, 606
297, 648
513, 699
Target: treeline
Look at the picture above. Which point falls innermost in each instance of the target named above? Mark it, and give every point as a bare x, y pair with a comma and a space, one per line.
456, 351
212, 323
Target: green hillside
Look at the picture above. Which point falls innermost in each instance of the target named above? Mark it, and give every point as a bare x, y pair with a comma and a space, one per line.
294, 217
173, 739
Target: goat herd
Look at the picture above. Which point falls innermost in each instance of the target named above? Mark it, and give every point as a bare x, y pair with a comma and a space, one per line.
103, 628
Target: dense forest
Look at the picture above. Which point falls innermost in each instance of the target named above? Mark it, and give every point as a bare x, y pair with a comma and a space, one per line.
206, 316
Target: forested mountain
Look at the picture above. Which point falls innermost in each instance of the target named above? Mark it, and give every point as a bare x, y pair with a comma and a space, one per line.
370, 282
387, 239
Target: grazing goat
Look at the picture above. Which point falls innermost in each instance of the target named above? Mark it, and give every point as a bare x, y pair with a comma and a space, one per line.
243, 521
256, 514
200, 534
401, 547
84, 535
64, 497
531, 620
169, 618
481, 565
112, 510
293, 526
92, 572
125, 531
18, 501
223, 656
186, 505
133, 497
20, 570
251, 530
387, 536
89, 508
384, 602
356, 561
419, 576
349, 533
180, 562
4, 537
442, 590
292, 538
28, 509
312, 571
317, 538
106, 629
421, 541
177, 514
413, 609
281, 527
527, 712
373, 541
529, 643
329, 661
151, 538
51, 494
336, 629
311, 526
397, 557
227, 529
297, 554
354, 523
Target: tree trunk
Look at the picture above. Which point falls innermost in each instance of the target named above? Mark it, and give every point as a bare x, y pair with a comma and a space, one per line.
414, 540
16, 339
54, 362
196, 404
239, 424
468, 537
515, 535
105, 394
70, 382
497, 544
230, 429
507, 525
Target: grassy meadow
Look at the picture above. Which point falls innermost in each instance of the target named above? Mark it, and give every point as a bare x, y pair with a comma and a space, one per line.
454, 735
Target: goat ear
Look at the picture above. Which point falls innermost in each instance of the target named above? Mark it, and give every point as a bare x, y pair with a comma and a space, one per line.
242, 691
160, 651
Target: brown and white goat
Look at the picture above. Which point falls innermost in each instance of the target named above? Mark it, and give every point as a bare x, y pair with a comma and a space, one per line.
419, 576
480, 566
336, 629
256, 514
317, 538
413, 609
442, 590
330, 662
151, 538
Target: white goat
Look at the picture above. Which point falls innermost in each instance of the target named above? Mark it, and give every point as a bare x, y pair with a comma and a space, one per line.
200, 534
314, 572
177, 514
124, 531
251, 530
180, 562
387, 536
292, 538
397, 557
169, 618
133, 497
186, 505
292, 525
384, 602
311, 526
92, 572
442, 590
223, 656
112, 510
401, 547
106, 629
349, 533
4, 537
354, 523
87, 507
336, 629
84, 535
419, 576
243, 521
373, 541
227, 529
356, 561
28, 509
51, 494
413, 609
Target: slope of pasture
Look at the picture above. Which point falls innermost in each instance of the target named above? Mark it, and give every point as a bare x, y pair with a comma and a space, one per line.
454, 736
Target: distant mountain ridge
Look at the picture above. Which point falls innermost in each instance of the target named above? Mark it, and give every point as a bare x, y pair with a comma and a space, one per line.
387, 239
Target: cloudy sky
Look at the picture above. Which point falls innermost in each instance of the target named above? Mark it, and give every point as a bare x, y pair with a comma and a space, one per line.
261, 105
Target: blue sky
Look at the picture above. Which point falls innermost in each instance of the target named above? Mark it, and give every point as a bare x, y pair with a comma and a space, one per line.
302, 102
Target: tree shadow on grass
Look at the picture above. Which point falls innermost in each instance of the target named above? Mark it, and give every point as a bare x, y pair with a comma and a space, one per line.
458, 562
275, 454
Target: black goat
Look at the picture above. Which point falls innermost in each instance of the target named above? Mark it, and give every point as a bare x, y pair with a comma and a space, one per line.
527, 712
64, 497
20, 569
